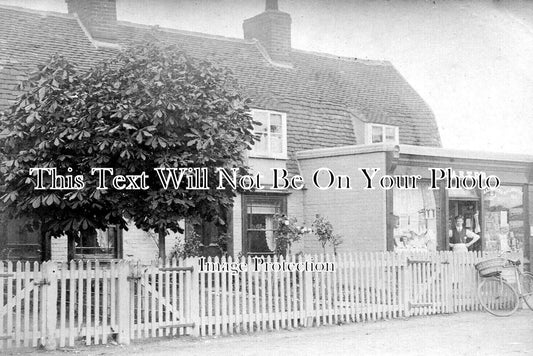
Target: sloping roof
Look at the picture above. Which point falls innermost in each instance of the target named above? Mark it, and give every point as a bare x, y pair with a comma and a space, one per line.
321, 94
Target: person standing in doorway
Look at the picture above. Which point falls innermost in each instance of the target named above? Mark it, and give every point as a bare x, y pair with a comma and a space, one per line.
459, 236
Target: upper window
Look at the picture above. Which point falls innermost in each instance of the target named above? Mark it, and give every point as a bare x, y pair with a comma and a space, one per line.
272, 132
376, 133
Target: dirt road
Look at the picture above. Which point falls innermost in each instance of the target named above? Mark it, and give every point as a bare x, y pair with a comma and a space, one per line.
470, 334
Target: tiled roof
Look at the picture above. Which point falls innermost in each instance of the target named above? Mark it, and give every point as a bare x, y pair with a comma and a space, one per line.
320, 93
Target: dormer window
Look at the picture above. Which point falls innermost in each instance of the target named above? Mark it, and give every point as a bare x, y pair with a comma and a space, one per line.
273, 132
377, 133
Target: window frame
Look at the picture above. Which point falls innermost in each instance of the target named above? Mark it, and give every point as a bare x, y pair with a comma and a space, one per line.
368, 133
246, 198
117, 248
28, 250
270, 154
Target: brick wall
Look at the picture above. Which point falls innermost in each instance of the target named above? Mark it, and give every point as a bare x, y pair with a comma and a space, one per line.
59, 249
273, 30
137, 245
295, 209
98, 16
358, 215
141, 246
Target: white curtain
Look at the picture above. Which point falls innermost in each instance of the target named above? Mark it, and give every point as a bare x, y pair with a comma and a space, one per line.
267, 210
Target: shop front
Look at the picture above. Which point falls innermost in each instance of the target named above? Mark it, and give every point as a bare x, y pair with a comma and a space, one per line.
424, 219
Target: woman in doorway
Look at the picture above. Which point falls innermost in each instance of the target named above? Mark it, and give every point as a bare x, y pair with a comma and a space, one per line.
459, 235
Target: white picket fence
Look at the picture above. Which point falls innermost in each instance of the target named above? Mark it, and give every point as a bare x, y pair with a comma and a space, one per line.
60, 304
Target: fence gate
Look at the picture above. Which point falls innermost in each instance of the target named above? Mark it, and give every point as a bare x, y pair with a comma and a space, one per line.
21, 318
430, 284
161, 299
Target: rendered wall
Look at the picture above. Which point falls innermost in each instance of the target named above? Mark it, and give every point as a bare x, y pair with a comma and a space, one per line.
358, 215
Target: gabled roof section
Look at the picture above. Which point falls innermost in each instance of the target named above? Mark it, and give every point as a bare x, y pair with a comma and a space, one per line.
30, 37
321, 94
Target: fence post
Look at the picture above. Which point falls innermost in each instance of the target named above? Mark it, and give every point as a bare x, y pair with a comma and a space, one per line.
49, 303
406, 271
308, 295
194, 295
123, 303
449, 269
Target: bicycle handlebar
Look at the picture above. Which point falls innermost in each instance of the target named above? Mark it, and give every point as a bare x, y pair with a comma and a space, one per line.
514, 262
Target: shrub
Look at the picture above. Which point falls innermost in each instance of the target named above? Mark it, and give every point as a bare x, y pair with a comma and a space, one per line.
324, 230
188, 247
287, 232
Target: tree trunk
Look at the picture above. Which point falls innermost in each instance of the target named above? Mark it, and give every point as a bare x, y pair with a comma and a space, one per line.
46, 246
71, 249
162, 249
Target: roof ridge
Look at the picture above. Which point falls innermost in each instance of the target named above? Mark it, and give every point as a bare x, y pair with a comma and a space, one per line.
382, 62
252, 42
203, 35
43, 13
185, 32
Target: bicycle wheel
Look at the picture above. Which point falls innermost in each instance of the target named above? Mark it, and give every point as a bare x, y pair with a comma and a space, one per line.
497, 296
526, 281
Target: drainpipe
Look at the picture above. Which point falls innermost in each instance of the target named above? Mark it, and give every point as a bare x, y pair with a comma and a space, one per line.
391, 161
528, 204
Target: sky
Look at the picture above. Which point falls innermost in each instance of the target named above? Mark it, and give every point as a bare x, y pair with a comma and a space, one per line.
471, 61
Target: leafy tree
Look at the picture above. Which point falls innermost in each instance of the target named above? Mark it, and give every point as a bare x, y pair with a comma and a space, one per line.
149, 106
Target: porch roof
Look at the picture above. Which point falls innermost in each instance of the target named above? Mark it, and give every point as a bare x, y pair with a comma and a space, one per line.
412, 150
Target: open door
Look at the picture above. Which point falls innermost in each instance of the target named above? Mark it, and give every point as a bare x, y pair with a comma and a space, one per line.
468, 209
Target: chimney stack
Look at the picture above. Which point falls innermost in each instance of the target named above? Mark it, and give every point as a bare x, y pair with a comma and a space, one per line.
272, 29
271, 5
98, 16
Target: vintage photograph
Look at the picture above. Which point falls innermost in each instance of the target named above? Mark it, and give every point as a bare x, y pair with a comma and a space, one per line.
264, 177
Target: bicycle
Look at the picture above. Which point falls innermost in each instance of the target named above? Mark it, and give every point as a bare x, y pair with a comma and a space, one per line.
496, 292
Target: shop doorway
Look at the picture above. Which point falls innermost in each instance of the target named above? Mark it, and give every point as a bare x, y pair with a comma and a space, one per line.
468, 209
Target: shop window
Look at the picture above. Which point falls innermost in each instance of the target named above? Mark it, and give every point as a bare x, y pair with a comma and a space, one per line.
504, 219
415, 215
376, 133
259, 222
97, 244
272, 132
